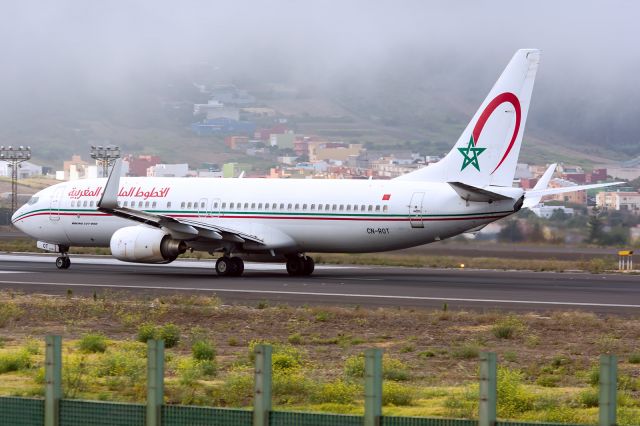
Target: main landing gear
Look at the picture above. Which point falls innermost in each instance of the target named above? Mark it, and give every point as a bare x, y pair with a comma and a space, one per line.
229, 266
63, 261
300, 266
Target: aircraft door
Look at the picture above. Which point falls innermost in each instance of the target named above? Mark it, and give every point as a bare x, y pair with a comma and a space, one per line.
203, 208
415, 210
54, 205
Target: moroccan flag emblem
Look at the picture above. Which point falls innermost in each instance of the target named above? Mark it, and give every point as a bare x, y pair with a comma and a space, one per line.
386, 197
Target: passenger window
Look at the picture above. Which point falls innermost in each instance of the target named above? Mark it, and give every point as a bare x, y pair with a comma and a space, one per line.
140, 204
224, 206
202, 205
84, 204
266, 206
281, 206
182, 205
297, 206
259, 206
348, 207
90, 203
246, 206
341, 207
289, 206
189, 205
334, 207
370, 208
168, 204
215, 205
313, 206
319, 207
230, 205
253, 206
362, 208
153, 205
146, 205
73, 203
327, 207
385, 208
274, 206
378, 208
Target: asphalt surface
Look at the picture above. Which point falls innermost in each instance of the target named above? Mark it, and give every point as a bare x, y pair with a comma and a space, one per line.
332, 285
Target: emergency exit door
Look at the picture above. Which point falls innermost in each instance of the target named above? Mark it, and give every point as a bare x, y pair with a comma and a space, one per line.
415, 210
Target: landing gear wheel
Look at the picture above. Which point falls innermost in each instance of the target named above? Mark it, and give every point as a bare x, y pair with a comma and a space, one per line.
225, 266
295, 266
63, 262
309, 266
238, 265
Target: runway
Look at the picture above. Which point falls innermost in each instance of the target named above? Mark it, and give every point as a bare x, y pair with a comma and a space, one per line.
332, 285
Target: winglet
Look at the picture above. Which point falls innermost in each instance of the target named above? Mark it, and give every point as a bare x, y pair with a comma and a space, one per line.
109, 199
543, 183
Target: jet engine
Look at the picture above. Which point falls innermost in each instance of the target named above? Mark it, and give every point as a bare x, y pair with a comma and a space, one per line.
144, 244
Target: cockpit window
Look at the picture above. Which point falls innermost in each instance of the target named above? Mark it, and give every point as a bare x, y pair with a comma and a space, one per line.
33, 200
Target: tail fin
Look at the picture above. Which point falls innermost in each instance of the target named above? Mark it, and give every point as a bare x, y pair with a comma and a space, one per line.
487, 151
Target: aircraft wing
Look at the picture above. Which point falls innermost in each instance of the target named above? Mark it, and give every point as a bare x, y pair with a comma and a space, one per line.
182, 227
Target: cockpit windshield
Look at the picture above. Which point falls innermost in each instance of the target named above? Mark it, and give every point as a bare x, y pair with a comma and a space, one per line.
33, 200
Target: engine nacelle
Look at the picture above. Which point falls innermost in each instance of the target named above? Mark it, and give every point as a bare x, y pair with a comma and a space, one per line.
143, 244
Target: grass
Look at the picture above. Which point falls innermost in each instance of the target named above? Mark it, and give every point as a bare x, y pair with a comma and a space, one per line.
430, 357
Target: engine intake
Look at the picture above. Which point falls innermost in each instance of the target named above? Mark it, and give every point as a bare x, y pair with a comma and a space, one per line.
143, 244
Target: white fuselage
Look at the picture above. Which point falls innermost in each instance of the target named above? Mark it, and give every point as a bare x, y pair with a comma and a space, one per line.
318, 215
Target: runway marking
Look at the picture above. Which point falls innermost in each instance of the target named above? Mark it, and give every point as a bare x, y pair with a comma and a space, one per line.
345, 295
12, 272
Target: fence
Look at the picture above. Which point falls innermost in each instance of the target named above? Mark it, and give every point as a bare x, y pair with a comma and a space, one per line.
53, 410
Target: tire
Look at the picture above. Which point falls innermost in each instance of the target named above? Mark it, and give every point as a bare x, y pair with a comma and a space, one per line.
60, 263
225, 267
238, 264
67, 262
309, 266
295, 266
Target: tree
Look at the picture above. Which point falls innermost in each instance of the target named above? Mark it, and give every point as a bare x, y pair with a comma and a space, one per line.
595, 226
511, 232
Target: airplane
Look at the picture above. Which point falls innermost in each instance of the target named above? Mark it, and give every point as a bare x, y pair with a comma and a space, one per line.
154, 220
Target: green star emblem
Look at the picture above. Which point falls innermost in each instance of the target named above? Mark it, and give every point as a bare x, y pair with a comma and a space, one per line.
470, 154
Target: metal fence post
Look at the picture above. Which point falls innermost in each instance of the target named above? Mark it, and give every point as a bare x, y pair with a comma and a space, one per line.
155, 381
608, 390
488, 389
53, 380
262, 386
372, 387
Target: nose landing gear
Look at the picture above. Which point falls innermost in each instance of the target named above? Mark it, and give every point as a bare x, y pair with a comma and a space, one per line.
63, 261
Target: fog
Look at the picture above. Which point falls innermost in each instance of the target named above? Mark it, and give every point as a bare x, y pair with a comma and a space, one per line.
61, 55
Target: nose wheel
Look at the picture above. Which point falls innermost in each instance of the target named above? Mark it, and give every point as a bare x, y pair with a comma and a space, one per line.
63, 262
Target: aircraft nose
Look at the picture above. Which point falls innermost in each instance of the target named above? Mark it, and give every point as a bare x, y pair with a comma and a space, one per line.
15, 217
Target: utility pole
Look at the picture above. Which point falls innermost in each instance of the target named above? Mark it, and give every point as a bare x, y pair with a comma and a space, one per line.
14, 156
105, 155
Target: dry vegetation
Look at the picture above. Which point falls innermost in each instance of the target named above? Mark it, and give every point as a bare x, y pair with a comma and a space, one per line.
548, 362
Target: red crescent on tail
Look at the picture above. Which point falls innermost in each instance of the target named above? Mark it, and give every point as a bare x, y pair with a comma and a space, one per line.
495, 103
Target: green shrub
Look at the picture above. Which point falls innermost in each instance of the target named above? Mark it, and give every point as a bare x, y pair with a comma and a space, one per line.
208, 367
338, 392
295, 339
634, 358
507, 328
588, 398
392, 368
407, 349
92, 343
291, 387
426, 354
9, 311
285, 362
513, 398
277, 348
146, 332
466, 351
14, 361
323, 316
394, 393
203, 350
170, 333
237, 390
594, 376
548, 381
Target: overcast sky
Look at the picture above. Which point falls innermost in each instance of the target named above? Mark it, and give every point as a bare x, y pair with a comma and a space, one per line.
48, 48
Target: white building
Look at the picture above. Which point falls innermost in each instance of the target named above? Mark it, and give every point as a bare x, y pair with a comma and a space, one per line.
168, 170
25, 169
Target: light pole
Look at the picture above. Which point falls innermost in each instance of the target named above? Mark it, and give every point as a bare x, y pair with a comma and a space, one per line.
106, 155
14, 156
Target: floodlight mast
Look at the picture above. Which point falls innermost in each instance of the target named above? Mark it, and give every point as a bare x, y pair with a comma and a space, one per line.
14, 156
105, 155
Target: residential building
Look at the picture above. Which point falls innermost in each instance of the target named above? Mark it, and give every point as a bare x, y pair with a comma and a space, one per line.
282, 140
26, 169
625, 201
576, 197
138, 165
223, 126
168, 170
319, 151
237, 142
547, 211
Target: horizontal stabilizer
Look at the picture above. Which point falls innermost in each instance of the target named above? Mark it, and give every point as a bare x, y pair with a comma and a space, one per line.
471, 193
543, 183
